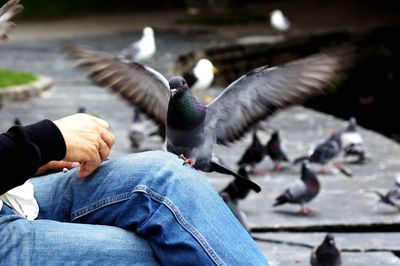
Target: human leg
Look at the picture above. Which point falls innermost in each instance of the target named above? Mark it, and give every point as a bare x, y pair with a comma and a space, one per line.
47, 242
153, 194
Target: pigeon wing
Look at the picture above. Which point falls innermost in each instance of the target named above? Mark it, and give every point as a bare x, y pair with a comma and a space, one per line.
141, 86
263, 91
8, 11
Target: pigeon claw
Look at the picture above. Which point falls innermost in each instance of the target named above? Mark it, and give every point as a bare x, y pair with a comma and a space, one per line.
186, 160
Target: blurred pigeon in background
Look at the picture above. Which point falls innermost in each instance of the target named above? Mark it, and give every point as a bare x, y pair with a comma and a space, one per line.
352, 142
275, 152
325, 152
279, 21
140, 50
326, 254
233, 193
302, 191
392, 197
7, 12
193, 129
253, 155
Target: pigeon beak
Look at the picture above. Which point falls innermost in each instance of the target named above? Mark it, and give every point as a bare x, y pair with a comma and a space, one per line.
215, 70
173, 92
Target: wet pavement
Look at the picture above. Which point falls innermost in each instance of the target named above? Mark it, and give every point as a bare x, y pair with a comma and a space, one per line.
343, 202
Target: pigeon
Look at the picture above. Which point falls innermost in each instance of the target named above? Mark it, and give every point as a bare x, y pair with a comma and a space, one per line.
253, 154
326, 254
279, 22
275, 152
8, 11
192, 128
352, 142
140, 50
301, 192
233, 193
325, 153
392, 197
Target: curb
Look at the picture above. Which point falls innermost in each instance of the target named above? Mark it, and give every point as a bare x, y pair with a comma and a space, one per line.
22, 93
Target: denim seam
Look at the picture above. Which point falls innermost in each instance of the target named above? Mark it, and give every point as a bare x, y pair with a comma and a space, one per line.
182, 221
100, 204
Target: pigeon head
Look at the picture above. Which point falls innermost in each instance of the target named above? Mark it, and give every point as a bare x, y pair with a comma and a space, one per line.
329, 240
275, 135
177, 85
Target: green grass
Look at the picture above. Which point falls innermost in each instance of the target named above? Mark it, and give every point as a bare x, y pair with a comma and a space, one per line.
11, 78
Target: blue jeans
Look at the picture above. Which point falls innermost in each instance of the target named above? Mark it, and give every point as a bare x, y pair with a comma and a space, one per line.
170, 213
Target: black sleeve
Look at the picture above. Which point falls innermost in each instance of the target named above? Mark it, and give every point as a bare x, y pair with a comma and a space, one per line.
24, 149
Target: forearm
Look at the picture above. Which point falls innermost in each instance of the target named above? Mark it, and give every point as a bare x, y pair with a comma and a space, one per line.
24, 149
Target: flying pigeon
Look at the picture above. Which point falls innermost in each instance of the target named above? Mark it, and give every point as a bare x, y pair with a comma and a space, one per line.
7, 12
326, 254
193, 129
140, 50
253, 154
392, 197
275, 152
279, 22
325, 152
352, 142
302, 191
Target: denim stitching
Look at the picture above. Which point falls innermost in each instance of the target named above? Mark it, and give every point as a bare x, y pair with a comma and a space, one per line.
100, 204
182, 221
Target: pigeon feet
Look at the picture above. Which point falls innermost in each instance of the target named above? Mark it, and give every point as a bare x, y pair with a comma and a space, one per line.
306, 212
189, 161
277, 168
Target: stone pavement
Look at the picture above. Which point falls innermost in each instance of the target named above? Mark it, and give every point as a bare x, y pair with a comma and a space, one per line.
342, 204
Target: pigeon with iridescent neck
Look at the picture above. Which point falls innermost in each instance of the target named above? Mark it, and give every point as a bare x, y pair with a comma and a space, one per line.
7, 12
325, 152
192, 128
302, 191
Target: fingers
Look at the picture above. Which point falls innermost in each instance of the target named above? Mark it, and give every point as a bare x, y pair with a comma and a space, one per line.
87, 167
104, 150
107, 137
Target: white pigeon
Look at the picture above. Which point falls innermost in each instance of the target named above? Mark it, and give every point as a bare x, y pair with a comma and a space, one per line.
279, 21
140, 50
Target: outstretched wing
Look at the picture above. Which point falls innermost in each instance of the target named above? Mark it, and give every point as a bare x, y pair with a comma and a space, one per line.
263, 91
7, 12
141, 86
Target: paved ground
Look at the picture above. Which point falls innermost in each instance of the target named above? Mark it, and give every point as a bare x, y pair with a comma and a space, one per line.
342, 201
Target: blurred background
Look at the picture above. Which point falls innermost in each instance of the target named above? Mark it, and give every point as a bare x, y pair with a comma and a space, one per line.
370, 94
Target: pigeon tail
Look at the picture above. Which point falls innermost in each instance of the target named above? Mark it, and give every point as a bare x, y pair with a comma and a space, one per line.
244, 181
282, 199
301, 159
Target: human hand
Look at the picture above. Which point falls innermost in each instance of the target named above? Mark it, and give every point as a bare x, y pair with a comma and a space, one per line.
56, 166
88, 141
